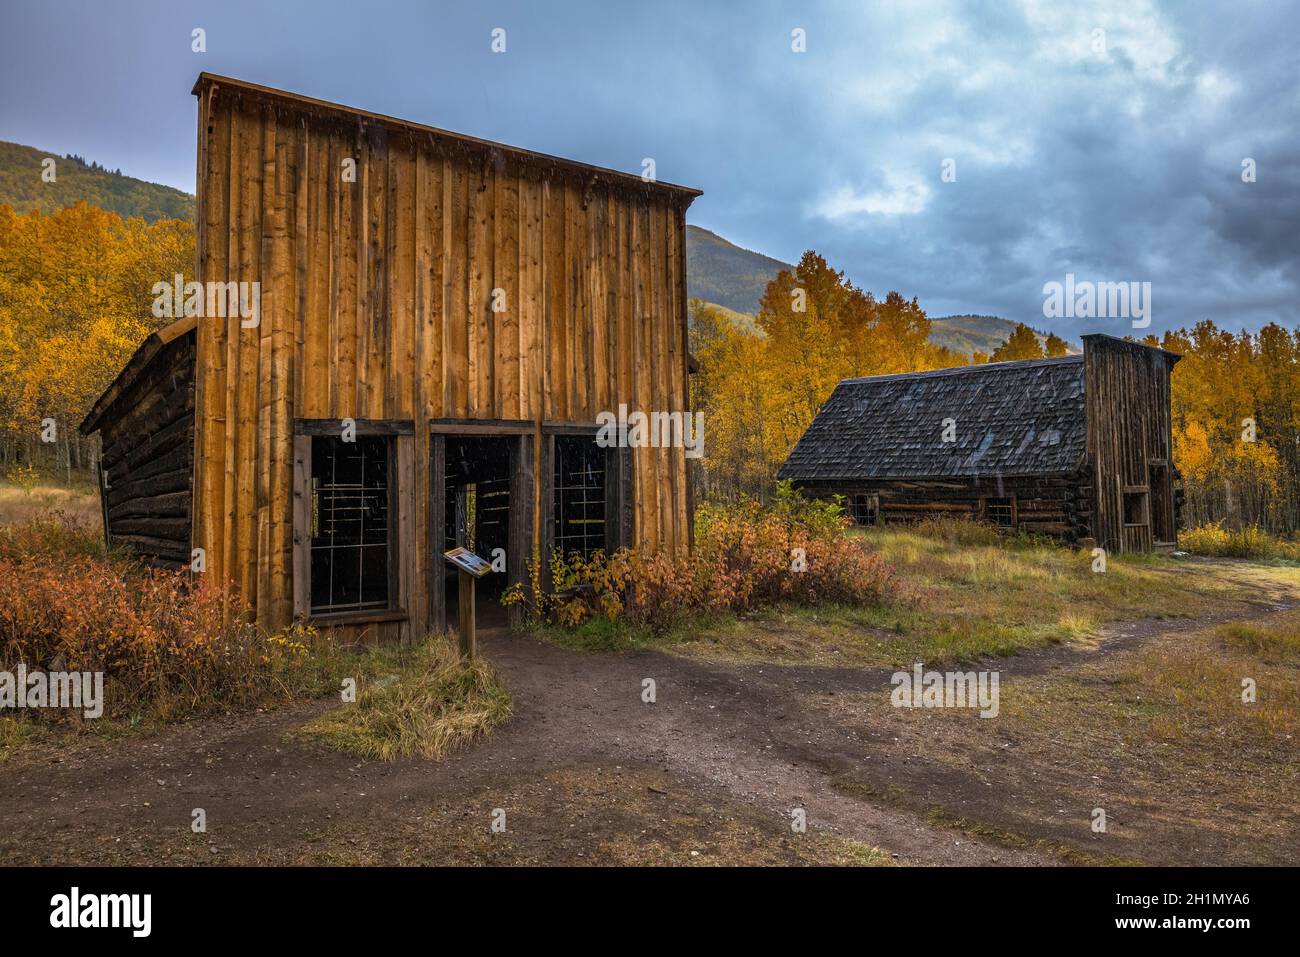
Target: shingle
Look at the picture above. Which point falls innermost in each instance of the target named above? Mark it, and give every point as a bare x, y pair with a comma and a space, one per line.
1012, 418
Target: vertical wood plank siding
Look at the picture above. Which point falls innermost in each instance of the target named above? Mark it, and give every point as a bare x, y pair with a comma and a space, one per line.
377, 303
1129, 426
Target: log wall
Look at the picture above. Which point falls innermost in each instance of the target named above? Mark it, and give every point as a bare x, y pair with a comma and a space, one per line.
147, 459
1048, 505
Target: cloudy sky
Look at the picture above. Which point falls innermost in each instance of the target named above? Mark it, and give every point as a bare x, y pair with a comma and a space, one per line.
1103, 139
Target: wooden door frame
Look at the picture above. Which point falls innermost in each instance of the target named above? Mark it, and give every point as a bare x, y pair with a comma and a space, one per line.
1168, 514
531, 475
519, 435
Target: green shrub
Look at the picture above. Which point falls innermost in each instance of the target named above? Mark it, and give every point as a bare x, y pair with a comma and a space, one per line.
24, 477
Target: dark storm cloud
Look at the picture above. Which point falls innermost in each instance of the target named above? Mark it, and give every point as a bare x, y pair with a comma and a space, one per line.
1119, 163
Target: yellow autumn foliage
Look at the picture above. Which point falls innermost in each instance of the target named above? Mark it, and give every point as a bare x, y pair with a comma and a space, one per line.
75, 302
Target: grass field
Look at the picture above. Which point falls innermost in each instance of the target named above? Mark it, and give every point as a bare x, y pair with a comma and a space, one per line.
1120, 692
1157, 735
21, 505
963, 594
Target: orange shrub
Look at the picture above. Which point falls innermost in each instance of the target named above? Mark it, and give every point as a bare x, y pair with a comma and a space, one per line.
746, 556
158, 637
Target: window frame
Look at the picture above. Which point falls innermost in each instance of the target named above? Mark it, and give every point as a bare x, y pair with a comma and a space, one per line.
399, 433
985, 500
620, 491
872, 506
1141, 493
609, 479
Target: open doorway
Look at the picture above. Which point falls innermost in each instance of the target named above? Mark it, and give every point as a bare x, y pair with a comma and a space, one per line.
479, 475
1163, 530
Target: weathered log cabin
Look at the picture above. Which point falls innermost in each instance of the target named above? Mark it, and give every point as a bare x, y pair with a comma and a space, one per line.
441, 321
1077, 447
145, 421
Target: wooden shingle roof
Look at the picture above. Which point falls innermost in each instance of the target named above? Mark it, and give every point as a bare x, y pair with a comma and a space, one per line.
1012, 418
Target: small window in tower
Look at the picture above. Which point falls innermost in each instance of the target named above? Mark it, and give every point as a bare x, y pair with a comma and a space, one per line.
1135, 508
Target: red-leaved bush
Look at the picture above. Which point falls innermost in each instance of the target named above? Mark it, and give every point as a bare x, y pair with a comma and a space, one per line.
746, 556
159, 638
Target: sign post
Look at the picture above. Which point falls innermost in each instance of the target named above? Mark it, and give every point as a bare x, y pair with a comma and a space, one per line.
470, 567
465, 607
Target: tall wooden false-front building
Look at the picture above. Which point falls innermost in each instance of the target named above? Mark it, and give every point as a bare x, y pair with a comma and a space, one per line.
440, 320
1077, 447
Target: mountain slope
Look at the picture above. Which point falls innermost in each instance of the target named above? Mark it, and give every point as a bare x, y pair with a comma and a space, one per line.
967, 334
728, 275
22, 188
723, 273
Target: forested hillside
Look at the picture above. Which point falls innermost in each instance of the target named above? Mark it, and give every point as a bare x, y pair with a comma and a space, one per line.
721, 272
76, 180
725, 274
968, 335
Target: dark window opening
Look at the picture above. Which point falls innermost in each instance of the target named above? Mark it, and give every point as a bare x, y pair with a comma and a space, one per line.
477, 511
350, 542
1000, 512
865, 508
579, 495
1162, 503
1135, 508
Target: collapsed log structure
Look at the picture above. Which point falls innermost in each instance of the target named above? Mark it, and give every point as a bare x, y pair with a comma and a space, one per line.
145, 422
1077, 447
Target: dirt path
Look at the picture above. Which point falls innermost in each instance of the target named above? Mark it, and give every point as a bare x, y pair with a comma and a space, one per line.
586, 771
715, 738
711, 726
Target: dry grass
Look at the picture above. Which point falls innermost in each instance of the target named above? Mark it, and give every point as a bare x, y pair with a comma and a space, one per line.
1156, 734
82, 504
169, 653
432, 704
1273, 641
990, 596
16, 733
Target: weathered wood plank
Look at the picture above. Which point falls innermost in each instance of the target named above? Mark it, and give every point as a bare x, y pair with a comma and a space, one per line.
377, 307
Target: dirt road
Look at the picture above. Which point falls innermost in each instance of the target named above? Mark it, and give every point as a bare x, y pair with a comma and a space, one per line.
587, 771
